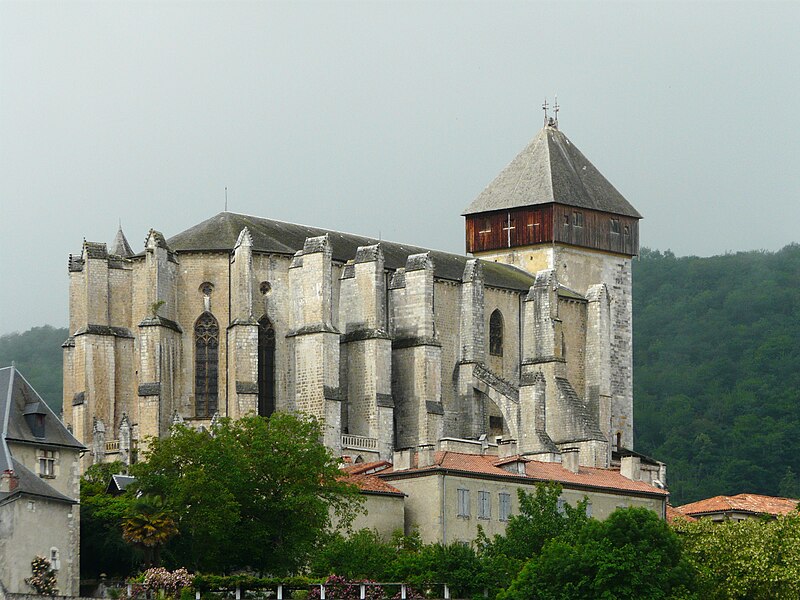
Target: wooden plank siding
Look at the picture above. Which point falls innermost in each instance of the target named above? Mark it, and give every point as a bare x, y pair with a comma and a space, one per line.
489, 231
596, 230
552, 223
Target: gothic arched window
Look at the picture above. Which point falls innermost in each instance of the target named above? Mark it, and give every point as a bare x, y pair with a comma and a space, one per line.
496, 334
206, 365
266, 367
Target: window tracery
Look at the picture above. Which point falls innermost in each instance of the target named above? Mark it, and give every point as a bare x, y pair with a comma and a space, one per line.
206, 365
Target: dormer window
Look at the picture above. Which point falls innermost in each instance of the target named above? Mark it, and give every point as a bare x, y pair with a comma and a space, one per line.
35, 418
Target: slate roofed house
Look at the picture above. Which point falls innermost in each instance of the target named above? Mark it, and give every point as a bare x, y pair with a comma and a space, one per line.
39, 488
739, 507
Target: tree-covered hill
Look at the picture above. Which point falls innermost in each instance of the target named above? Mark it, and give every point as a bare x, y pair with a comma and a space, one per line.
37, 355
717, 370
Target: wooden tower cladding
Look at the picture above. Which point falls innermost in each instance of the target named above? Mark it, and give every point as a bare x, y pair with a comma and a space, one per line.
528, 226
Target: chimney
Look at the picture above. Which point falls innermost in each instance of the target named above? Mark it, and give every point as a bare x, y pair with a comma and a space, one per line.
426, 456
506, 448
401, 459
631, 468
8, 481
571, 459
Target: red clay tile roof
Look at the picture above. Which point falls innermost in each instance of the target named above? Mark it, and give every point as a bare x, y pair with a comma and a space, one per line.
610, 479
673, 514
370, 484
369, 467
745, 503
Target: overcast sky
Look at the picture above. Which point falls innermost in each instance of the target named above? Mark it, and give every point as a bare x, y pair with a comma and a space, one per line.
381, 118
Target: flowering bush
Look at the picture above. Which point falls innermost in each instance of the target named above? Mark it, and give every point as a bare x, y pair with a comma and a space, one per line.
159, 579
339, 588
43, 578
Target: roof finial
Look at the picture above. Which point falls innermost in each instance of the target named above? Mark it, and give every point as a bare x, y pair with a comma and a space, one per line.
226, 198
555, 108
544, 108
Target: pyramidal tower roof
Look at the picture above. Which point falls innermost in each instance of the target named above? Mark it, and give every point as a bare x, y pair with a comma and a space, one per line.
551, 169
120, 245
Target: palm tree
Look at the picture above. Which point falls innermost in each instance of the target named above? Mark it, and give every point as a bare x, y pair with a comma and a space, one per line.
149, 525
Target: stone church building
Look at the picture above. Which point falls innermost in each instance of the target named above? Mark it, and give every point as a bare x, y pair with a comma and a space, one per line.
526, 338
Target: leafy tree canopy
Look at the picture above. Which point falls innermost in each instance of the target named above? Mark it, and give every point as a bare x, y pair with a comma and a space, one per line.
102, 547
716, 383
631, 555
37, 355
753, 559
257, 493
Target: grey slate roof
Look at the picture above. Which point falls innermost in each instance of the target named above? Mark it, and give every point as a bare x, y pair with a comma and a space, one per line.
15, 394
120, 245
551, 169
17, 397
220, 232
32, 485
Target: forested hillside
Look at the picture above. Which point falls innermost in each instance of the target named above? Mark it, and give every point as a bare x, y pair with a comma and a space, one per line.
37, 355
717, 370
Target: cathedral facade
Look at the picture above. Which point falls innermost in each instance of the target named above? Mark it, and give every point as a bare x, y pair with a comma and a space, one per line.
527, 339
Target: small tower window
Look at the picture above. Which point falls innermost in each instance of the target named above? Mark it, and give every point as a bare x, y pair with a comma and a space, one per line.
496, 334
615, 226
577, 219
206, 348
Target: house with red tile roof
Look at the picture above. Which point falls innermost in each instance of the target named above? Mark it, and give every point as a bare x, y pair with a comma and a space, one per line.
448, 494
739, 507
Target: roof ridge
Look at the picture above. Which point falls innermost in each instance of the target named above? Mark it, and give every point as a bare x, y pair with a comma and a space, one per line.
4, 430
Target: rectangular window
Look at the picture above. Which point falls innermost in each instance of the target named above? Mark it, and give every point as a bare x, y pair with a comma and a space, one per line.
505, 506
615, 226
463, 503
577, 219
589, 509
47, 464
561, 508
484, 505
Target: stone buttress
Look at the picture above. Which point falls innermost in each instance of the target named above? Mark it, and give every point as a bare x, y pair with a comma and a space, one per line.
98, 355
242, 332
570, 419
314, 340
473, 349
159, 341
366, 354
416, 355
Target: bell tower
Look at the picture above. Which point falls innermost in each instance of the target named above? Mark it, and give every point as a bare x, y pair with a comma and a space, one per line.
551, 210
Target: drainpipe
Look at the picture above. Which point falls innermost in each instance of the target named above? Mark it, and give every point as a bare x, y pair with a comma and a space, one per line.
443, 514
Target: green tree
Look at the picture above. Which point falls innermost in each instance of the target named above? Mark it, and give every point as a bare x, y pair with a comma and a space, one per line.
631, 555
102, 548
37, 354
753, 559
542, 516
256, 492
149, 525
362, 555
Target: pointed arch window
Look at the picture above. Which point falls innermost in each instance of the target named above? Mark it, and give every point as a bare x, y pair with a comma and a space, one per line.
206, 365
266, 367
496, 334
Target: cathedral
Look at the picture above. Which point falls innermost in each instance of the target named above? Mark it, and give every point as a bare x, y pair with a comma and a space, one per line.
525, 340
